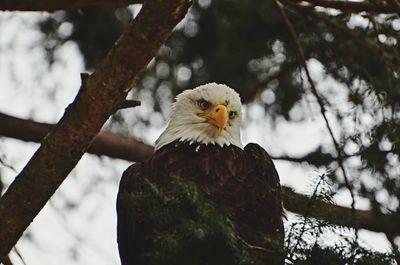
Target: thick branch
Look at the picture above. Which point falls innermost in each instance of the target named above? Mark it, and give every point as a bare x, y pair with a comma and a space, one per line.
338, 215
349, 6
100, 94
105, 143
116, 146
52, 5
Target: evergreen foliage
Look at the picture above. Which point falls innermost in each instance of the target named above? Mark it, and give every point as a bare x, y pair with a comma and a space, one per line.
305, 238
188, 229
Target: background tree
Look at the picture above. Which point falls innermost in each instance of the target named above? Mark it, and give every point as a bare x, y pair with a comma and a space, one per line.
333, 62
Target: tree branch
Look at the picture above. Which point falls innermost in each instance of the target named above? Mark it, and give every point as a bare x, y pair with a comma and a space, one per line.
349, 6
52, 5
128, 104
98, 97
339, 215
105, 143
115, 146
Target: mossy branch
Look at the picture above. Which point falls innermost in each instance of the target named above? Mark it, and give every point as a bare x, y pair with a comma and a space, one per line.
342, 216
103, 92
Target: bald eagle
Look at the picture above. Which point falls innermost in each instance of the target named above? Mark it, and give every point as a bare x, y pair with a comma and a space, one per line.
202, 142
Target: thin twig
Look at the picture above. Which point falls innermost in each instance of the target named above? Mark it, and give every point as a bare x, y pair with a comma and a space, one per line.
305, 216
358, 38
5, 164
19, 255
129, 104
302, 60
250, 246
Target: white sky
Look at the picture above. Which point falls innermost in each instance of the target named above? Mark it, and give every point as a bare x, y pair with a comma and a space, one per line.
86, 234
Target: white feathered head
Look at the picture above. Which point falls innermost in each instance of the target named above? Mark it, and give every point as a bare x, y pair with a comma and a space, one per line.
208, 114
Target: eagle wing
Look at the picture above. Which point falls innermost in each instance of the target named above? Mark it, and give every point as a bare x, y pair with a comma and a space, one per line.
131, 238
243, 183
265, 167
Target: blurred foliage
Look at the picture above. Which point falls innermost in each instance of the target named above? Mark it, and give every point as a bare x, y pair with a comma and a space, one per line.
245, 44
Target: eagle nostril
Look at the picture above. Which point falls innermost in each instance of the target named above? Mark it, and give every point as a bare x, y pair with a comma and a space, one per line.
217, 110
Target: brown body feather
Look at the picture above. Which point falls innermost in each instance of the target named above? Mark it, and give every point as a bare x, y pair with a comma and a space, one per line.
241, 183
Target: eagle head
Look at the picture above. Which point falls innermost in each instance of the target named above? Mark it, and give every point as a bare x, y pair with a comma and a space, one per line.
208, 114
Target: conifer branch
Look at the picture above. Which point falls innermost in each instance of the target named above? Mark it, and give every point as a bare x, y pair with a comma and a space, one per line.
341, 216
305, 217
250, 246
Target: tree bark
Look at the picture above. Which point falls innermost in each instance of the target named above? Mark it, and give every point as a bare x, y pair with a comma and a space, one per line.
52, 5
116, 146
100, 94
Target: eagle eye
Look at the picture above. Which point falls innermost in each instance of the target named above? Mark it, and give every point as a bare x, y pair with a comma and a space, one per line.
203, 104
232, 114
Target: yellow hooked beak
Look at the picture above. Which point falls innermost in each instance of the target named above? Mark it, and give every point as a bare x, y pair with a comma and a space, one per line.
218, 117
